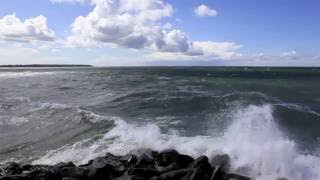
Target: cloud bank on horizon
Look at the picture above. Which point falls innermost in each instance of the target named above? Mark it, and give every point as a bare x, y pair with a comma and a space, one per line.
129, 32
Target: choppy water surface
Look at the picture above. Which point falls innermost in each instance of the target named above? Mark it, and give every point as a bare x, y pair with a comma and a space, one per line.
266, 119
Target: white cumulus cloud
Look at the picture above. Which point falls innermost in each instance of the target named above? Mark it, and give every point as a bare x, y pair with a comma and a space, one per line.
203, 10
140, 24
14, 29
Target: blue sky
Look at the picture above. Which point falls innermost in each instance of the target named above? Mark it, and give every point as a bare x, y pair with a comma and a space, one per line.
221, 32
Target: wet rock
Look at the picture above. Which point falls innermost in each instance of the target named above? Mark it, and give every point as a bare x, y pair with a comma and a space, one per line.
127, 177
15, 177
221, 161
237, 177
144, 161
73, 172
42, 174
68, 178
26, 167
202, 169
166, 165
143, 172
218, 174
10, 168
99, 168
174, 175
128, 160
169, 160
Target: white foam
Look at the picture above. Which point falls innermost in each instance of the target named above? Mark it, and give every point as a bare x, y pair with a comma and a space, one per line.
7, 75
256, 146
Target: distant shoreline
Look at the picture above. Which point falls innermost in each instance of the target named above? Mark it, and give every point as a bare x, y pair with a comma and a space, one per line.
46, 65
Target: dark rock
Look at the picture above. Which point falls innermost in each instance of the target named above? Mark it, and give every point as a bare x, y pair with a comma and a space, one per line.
68, 178
16, 177
42, 174
174, 175
105, 167
10, 168
171, 160
237, 177
40, 167
221, 161
127, 177
168, 168
144, 161
143, 172
128, 160
73, 172
218, 174
26, 167
202, 169
62, 164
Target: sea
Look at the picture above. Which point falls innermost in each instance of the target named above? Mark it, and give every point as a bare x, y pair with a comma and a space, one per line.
267, 119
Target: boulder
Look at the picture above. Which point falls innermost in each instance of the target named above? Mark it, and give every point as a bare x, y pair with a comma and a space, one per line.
127, 177
15, 177
10, 168
99, 168
143, 172
221, 161
174, 175
128, 160
73, 172
202, 169
237, 177
171, 160
26, 167
218, 174
144, 161
42, 174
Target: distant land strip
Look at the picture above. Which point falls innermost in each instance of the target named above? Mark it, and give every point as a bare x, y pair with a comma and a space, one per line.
47, 65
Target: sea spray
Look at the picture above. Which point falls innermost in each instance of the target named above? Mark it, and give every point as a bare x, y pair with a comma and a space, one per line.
253, 141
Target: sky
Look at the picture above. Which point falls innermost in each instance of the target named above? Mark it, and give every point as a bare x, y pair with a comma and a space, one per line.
160, 32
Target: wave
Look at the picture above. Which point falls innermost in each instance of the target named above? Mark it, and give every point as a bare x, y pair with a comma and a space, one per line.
300, 108
9, 75
254, 142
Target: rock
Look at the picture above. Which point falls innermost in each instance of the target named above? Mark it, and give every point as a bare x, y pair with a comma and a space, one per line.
73, 172
218, 174
15, 177
62, 164
42, 174
10, 168
127, 177
174, 175
171, 160
202, 169
168, 168
128, 160
26, 167
143, 172
237, 177
104, 167
144, 161
221, 161
99, 168
67, 178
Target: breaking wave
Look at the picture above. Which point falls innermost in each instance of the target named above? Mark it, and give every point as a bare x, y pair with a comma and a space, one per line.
253, 141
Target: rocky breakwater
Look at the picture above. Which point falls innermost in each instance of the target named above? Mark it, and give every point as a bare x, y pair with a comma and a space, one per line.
166, 165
